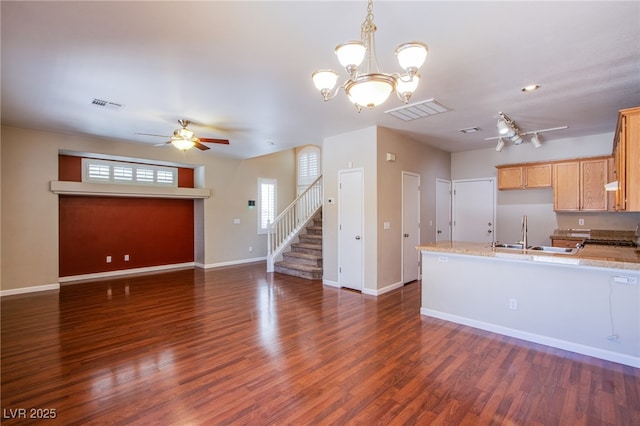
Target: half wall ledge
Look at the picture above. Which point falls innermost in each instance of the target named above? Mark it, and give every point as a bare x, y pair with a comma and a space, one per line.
139, 191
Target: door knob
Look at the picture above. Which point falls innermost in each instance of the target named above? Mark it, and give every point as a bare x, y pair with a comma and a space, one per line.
489, 231
489, 224
357, 237
439, 231
406, 235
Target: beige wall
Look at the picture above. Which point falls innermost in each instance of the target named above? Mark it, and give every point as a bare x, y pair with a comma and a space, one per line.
29, 211
350, 150
414, 157
537, 204
367, 149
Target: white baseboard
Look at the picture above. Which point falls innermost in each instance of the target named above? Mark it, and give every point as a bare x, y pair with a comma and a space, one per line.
232, 262
33, 289
383, 290
330, 283
121, 272
632, 361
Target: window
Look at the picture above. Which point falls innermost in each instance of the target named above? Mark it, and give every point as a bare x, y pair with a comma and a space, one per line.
308, 166
103, 171
266, 203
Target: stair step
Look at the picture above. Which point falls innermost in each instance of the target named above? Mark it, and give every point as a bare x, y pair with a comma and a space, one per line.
314, 230
311, 239
307, 248
303, 258
302, 271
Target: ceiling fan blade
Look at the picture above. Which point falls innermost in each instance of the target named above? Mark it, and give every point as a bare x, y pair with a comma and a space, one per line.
162, 144
151, 134
201, 147
210, 140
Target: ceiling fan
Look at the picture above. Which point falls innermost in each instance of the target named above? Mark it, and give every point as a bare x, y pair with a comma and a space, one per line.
184, 139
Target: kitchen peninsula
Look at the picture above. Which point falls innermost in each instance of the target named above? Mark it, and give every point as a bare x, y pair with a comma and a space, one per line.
587, 302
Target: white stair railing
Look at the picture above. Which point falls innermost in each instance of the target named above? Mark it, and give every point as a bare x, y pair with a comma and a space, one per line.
294, 218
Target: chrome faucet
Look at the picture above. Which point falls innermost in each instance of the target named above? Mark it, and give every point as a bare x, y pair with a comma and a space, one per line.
525, 230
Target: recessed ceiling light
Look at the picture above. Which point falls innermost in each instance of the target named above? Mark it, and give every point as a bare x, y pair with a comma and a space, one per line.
469, 130
531, 88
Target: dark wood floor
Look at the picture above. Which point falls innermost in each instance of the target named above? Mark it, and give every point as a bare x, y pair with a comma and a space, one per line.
239, 346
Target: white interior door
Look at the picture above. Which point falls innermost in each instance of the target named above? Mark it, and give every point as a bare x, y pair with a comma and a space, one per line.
410, 226
443, 210
350, 229
474, 205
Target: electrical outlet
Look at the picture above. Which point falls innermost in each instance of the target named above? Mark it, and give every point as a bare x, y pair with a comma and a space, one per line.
108, 259
126, 257
513, 304
250, 249
443, 259
580, 222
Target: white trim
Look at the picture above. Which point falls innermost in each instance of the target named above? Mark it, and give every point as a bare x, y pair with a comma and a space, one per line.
536, 338
115, 190
33, 289
232, 262
121, 272
390, 287
330, 283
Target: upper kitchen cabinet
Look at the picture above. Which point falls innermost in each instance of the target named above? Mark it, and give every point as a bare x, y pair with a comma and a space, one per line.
578, 185
524, 176
626, 151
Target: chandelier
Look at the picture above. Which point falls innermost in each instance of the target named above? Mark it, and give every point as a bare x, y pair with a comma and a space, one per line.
371, 87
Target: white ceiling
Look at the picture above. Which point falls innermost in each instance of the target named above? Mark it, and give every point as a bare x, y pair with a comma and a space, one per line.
242, 70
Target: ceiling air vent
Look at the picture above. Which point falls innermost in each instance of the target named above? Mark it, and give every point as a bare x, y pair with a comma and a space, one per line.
106, 104
418, 110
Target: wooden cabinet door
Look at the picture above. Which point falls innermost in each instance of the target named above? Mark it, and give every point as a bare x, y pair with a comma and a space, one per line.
566, 186
593, 177
510, 178
538, 176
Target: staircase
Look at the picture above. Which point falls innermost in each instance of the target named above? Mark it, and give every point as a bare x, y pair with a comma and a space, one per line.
305, 258
294, 240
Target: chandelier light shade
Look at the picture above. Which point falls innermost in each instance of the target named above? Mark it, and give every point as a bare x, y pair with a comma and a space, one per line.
367, 86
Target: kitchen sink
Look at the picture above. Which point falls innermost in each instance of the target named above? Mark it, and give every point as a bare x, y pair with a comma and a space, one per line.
559, 250
543, 249
508, 246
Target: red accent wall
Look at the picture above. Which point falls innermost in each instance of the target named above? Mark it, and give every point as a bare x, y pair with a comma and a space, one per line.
151, 231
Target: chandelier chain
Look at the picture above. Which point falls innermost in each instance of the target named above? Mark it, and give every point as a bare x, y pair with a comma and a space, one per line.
367, 34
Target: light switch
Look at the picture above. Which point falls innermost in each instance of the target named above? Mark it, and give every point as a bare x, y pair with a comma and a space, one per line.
236, 221
386, 225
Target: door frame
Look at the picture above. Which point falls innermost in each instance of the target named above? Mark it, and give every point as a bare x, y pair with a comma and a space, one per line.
362, 236
402, 226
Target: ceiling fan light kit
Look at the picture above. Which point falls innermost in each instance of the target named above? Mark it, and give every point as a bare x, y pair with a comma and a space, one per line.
185, 139
371, 87
507, 128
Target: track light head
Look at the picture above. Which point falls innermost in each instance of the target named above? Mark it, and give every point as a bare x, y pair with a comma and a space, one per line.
535, 140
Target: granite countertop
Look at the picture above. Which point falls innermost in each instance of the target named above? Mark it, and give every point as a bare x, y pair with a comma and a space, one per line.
590, 255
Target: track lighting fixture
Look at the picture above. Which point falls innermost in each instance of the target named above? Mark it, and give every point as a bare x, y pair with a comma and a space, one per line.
507, 128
